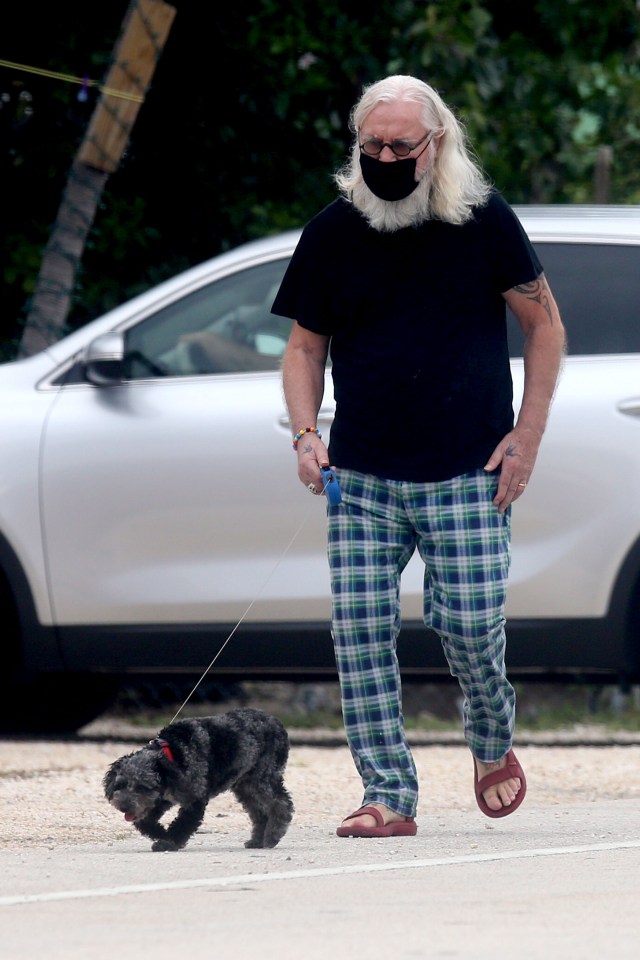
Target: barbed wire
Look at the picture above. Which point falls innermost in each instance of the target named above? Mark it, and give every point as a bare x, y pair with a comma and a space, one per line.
84, 82
127, 82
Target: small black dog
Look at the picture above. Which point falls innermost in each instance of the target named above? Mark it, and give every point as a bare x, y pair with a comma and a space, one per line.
190, 762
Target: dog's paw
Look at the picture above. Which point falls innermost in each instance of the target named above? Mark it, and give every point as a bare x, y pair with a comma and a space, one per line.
162, 846
254, 843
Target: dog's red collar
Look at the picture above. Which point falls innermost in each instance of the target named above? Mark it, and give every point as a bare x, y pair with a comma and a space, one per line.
164, 746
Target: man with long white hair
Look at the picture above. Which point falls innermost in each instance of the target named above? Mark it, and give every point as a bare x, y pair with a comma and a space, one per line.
404, 279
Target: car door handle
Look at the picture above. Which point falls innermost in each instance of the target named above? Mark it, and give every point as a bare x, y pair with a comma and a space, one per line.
324, 416
630, 407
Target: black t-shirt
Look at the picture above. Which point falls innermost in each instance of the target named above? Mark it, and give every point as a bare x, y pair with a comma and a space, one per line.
417, 322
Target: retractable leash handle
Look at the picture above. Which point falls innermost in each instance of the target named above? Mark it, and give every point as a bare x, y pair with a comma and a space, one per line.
331, 486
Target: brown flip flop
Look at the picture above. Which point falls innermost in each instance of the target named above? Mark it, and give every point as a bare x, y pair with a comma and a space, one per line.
511, 770
395, 828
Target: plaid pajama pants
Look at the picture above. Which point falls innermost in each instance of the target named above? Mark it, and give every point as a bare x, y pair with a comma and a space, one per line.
465, 544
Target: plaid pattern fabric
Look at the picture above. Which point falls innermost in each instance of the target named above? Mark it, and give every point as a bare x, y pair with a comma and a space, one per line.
465, 544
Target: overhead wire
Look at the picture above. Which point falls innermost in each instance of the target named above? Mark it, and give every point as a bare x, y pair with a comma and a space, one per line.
84, 82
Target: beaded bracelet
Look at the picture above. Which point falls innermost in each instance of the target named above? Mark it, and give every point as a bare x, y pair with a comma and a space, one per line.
302, 432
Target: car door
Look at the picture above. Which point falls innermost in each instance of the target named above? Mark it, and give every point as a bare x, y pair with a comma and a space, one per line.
580, 515
172, 497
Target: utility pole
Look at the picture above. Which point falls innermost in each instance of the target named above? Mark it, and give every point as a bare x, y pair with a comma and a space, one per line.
144, 31
602, 175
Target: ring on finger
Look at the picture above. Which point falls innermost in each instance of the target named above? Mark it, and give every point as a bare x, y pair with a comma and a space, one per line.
312, 487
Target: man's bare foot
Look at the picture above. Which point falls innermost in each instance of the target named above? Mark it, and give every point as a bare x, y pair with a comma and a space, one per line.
498, 795
366, 821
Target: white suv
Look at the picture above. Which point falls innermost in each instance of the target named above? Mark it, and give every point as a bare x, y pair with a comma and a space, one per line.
150, 502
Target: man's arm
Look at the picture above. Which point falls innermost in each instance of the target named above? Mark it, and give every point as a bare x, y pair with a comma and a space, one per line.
537, 313
303, 369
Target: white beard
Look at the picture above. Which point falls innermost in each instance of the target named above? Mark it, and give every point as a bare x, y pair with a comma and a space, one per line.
390, 215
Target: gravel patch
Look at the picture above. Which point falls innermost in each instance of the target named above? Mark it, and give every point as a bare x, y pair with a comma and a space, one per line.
51, 791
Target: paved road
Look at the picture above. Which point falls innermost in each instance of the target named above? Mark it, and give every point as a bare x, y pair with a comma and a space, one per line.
550, 882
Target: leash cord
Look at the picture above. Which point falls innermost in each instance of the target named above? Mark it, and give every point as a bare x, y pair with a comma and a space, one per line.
246, 612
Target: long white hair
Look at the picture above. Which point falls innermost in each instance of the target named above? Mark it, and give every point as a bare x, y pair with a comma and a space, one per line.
453, 183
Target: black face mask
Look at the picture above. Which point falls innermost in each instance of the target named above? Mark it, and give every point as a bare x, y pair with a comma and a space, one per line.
389, 181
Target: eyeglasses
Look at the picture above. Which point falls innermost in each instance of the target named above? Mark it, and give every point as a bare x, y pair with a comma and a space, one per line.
400, 148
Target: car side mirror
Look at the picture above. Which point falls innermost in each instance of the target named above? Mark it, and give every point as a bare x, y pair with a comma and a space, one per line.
103, 359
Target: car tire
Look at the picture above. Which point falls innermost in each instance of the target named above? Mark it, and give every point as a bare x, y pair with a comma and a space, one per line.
53, 703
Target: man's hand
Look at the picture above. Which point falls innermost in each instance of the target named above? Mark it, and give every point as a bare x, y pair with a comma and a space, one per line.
303, 370
544, 343
515, 455
312, 454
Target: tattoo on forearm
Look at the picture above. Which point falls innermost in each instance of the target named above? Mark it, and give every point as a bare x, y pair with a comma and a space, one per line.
536, 290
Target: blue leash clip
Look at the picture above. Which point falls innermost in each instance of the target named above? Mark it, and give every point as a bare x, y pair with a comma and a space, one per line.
331, 486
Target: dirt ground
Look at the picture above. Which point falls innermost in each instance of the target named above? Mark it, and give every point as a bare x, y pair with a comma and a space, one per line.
51, 790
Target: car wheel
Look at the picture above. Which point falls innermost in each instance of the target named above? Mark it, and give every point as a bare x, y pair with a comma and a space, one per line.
53, 703
633, 634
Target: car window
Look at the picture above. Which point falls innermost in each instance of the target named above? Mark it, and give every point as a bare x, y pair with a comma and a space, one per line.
597, 288
225, 327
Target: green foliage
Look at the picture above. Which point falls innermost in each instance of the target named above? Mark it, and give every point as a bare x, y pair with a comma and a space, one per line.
540, 86
246, 120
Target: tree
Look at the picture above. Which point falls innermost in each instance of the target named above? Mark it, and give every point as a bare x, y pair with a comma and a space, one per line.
540, 86
247, 117
144, 31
